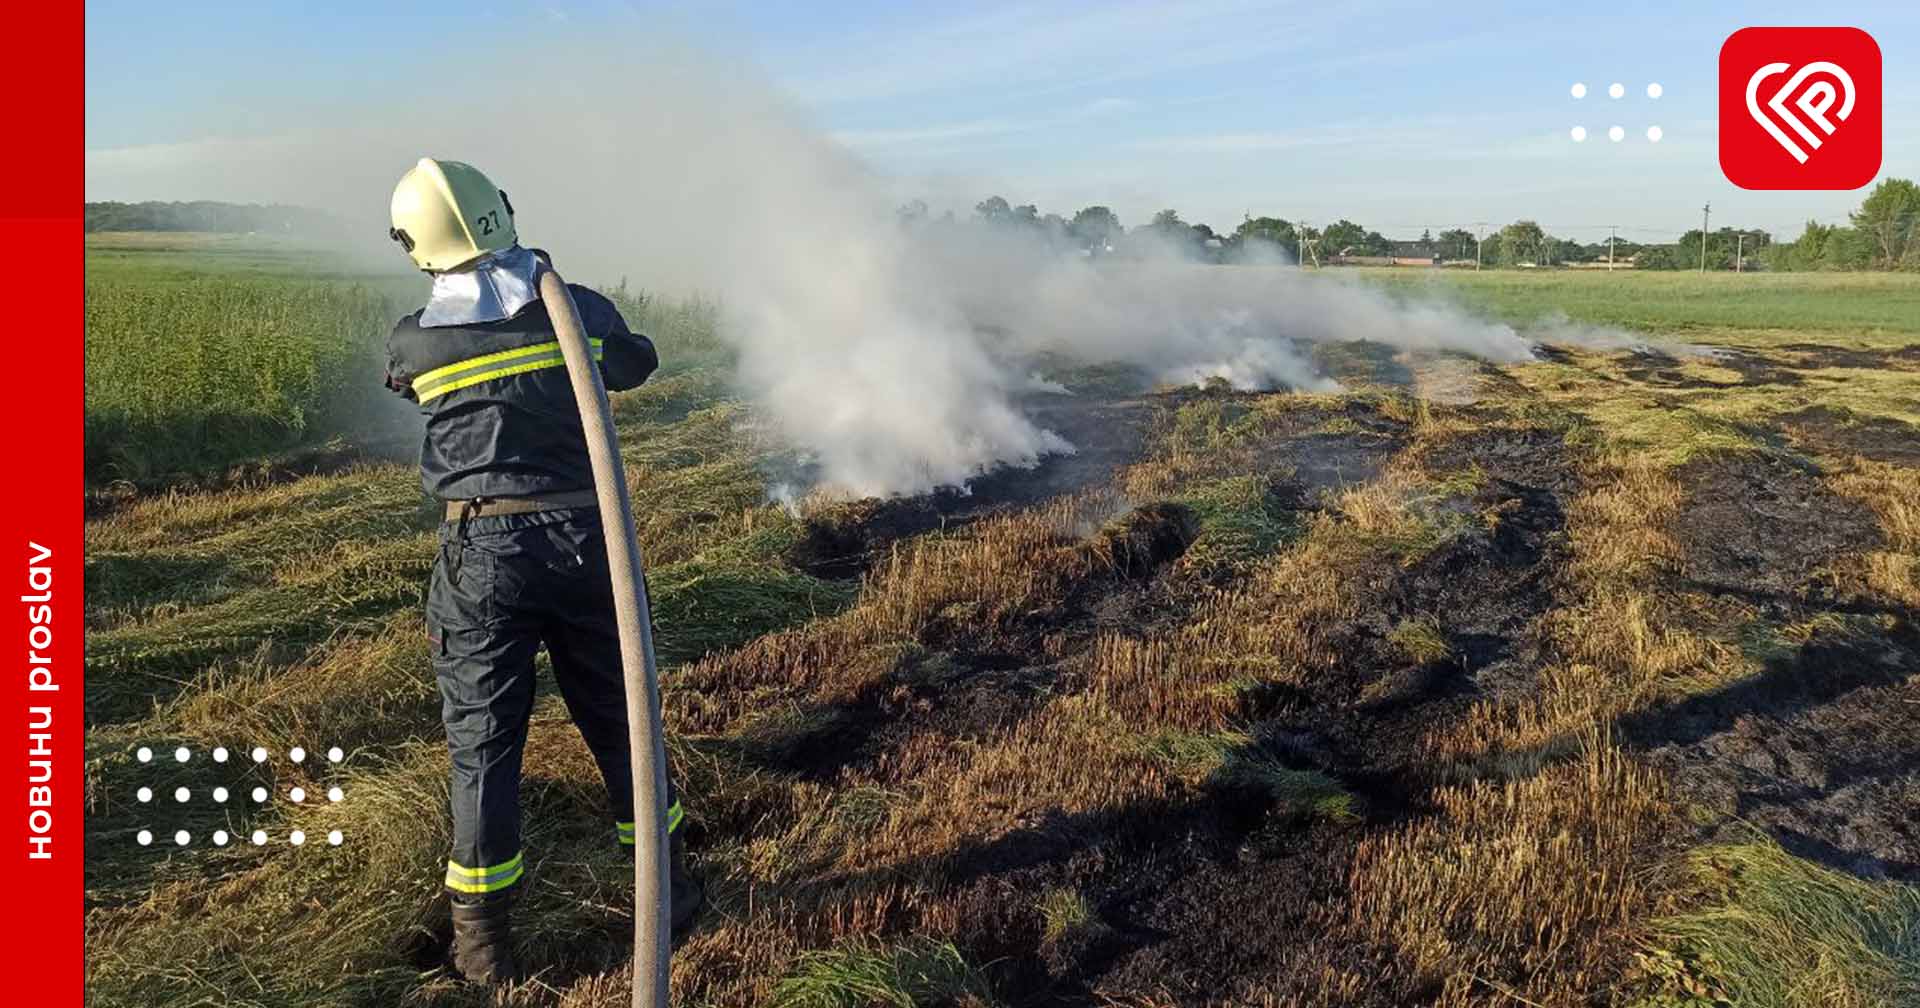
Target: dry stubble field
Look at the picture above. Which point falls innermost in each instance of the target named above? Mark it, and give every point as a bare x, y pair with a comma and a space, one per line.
1593, 680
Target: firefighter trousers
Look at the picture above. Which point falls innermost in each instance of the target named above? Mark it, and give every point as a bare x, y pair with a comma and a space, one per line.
503, 586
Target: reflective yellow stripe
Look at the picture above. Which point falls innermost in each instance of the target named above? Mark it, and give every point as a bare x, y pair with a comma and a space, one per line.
493, 358
674, 815
519, 360
480, 880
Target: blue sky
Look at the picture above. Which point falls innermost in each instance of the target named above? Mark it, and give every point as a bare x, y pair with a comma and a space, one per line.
1401, 116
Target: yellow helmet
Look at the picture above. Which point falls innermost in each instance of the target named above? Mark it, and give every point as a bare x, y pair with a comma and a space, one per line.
446, 214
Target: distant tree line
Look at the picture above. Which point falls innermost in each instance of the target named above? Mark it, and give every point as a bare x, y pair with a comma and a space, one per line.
1885, 234
206, 215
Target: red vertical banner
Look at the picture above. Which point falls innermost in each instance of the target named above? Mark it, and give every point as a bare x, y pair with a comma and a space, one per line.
42, 189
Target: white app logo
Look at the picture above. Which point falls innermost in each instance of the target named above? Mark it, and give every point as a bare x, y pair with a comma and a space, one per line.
1814, 102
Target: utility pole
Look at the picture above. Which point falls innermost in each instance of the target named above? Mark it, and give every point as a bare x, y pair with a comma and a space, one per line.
1704, 212
1479, 242
1739, 247
1612, 230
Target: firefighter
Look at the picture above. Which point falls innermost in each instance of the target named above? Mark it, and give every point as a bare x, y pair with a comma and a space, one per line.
522, 562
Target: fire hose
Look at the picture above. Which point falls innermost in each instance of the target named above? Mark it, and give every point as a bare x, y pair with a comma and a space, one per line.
651, 898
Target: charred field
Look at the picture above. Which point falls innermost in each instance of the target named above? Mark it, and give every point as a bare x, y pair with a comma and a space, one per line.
1594, 681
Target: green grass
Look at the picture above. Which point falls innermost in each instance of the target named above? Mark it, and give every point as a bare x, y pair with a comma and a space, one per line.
1777, 931
1240, 522
856, 976
1874, 308
204, 351
706, 607
1063, 912
1421, 640
194, 373
1235, 759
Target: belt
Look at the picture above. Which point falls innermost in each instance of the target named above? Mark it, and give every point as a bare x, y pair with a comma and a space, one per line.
482, 507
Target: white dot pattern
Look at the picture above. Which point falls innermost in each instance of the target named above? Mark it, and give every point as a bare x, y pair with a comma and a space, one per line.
220, 794
1616, 90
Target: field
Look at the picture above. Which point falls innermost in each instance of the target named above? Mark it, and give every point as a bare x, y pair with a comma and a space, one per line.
1592, 680
205, 351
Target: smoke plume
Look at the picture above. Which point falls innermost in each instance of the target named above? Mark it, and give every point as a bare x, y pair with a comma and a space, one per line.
897, 360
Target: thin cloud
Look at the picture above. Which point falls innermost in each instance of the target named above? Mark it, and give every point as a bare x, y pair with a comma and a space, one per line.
1402, 135
882, 138
951, 136
1051, 47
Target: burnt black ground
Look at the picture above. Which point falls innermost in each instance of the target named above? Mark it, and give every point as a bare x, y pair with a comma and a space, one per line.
1822, 749
1823, 430
1219, 896
1765, 524
1212, 896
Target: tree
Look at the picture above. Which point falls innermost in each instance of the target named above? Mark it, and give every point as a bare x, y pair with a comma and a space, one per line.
1455, 243
993, 210
1267, 229
1520, 242
1167, 233
1054, 227
1659, 257
1803, 253
1847, 249
1566, 250
1343, 237
1887, 218
203, 215
1094, 228
1722, 246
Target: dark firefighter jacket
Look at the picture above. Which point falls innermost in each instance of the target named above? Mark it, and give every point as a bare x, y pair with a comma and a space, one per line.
501, 420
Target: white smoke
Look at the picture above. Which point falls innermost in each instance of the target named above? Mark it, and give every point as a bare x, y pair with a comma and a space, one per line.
895, 362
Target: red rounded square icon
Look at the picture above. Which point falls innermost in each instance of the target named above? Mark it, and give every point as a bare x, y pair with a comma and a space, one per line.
1800, 108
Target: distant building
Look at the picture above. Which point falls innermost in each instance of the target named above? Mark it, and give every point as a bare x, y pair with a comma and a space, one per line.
1399, 253
1413, 253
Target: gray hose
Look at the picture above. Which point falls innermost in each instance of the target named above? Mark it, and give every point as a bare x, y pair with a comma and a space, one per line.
650, 879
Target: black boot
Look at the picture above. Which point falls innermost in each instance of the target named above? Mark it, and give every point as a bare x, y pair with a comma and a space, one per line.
688, 895
483, 942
